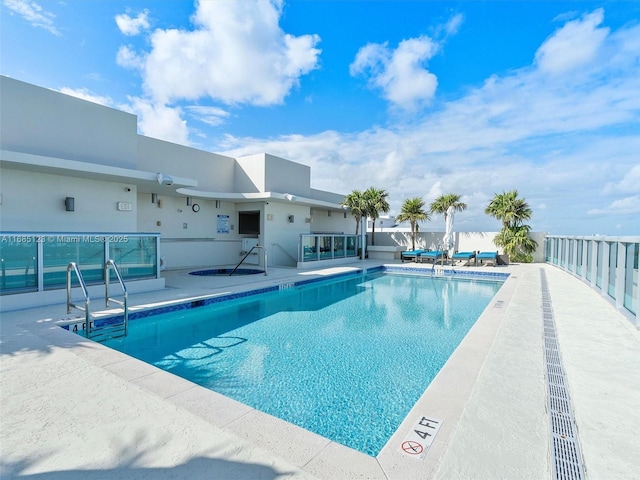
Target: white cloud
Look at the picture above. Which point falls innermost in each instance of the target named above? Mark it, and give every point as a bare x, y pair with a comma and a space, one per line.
573, 45
630, 183
86, 94
133, 25
568, 146
210, 115
127, 58
33, 13
453, 25
237, 54
624, 206
400, 74
159, 121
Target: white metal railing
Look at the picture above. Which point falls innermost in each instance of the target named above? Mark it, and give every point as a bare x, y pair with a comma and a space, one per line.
90, 331
87, 315
264, 254
608, 264
107, 299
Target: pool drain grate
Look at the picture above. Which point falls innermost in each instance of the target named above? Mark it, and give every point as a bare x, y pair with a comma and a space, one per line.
565, 452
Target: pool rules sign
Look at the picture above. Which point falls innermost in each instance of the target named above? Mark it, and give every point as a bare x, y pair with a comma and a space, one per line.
420, 437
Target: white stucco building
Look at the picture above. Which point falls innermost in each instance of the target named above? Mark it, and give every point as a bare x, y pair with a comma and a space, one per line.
73, 166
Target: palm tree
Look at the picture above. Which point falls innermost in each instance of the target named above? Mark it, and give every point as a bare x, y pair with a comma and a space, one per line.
375, 200
516, 241
443, 202
512, 212
355, 202
413, 212
509, 209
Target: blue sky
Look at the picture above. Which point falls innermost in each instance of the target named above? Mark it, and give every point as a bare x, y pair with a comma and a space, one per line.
421, 98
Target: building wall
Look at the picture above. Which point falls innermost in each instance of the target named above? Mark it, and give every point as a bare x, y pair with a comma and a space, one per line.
267, 173
43, 122
325, 196
214, 172
34, 202
286, 176
465, 241
322, 222
281, 237
249, 174
188, 238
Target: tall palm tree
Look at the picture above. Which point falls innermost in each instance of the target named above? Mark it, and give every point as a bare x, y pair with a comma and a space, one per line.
441, 204
509, 209
512, 212
375, 200
413, 212
355, 202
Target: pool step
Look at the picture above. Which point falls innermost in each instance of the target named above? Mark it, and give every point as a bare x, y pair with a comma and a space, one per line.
108, 332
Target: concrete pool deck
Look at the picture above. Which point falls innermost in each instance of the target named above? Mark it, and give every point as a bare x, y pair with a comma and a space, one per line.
74, 409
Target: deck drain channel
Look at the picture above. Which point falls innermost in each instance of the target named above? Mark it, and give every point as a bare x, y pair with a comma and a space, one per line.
565, 449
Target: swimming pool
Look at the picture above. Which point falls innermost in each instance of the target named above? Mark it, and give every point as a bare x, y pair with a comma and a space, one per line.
346, 358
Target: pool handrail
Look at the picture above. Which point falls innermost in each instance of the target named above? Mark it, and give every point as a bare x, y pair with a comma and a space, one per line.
264, 251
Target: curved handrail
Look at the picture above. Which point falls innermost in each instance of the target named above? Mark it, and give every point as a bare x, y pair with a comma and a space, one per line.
264, 250
107, 299
87, 316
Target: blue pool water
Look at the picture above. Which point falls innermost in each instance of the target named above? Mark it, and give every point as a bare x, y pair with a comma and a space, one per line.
345, 358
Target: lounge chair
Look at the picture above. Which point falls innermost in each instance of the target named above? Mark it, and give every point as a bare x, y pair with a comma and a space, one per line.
432, 255
411, 254
488, 256
464, 256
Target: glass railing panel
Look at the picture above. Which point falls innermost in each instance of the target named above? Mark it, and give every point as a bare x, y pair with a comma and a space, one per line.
631, 278
87, 251
613, 265
589, 260
599, 262
18, 263
579, 247
352, 246
570, 264
134, 255
338, 247
326, 248
309, 248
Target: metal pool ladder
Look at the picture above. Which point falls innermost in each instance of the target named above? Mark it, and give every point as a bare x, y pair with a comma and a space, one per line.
264, 251
112, 330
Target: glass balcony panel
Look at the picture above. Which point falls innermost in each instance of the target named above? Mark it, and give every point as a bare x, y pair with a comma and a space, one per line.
631, 278
134, 255
613, 264
579, 246
18, 263
352, 246
589, 261
326, 251
570, 264
309, 248
599, 263
87, 251
338, 247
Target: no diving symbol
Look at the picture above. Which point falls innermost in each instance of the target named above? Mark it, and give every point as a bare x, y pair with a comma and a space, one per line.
412, 448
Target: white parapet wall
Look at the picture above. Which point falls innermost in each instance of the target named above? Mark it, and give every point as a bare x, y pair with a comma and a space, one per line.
464, 241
